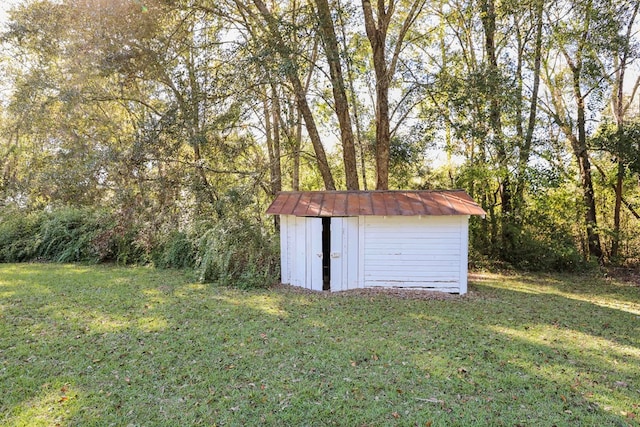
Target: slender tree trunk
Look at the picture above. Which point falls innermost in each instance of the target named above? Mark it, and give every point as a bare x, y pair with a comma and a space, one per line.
277, 166
581, 152
488, 18
341, 103
619, 110
299, 92
527, 138
297, 142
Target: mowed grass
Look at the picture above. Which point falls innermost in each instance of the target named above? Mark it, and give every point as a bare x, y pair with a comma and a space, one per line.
107, 346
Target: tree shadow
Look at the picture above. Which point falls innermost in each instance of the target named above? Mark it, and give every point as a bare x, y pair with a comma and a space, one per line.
150, 347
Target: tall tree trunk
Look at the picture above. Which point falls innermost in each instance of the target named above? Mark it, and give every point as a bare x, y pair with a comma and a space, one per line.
354, 105
341, 103
569, 126
277, 166
376, 30
619, 112
377, 35
291, 70
272, 131
580, 150
493, 87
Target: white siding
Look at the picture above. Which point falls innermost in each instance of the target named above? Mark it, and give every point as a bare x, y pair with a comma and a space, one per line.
298, 266
314, 254
285, 249
371, 251
344, 253
415, 252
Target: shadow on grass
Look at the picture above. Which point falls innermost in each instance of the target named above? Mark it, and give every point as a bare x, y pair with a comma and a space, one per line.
101, 346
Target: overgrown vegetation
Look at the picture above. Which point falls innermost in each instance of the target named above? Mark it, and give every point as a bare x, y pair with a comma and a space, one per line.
97, 345
162, 123
230, 250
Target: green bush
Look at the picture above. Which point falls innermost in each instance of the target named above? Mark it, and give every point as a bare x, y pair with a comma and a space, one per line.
19, 235
176, 250
237, 252
67, 234
233, 251
554, 252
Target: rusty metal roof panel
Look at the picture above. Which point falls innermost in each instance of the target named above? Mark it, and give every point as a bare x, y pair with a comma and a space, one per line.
364, 203
381, 203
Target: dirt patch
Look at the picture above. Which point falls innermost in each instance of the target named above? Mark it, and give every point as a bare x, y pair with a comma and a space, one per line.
398, 293
630, 275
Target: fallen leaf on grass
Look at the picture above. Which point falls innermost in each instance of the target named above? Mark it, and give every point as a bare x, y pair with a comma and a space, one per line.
395, 415
430, 400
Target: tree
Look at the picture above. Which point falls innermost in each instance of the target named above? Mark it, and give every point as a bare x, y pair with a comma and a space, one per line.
620, 109
330, 43
291, 70
583, 34
377, 27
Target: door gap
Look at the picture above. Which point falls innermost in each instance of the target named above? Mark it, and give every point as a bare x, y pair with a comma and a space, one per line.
326, 253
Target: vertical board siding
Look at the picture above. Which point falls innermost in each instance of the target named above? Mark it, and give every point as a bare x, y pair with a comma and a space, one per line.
338, 255
344, 253
351, 247
285, 250
464, 250
298, 270
314, 253
414, 252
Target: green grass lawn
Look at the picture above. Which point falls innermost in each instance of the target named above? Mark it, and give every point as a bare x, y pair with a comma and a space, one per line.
106, 346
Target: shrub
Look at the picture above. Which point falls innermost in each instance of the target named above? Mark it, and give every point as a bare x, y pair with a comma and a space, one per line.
238, 252
234, 251
19, 235
67, 235
176, 250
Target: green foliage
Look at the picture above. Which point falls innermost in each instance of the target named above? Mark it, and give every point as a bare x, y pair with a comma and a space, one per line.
176, 251
18, 235
62, 235
66, 235
547, 240
623, 143
235, 251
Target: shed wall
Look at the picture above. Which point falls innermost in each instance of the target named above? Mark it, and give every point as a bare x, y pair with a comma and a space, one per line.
415, 252
428, 252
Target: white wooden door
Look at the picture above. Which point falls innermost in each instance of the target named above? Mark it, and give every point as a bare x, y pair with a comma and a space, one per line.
336, 252
344, 253
314, 253
299, 260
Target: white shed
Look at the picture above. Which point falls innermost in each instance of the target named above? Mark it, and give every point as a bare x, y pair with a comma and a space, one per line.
339, 240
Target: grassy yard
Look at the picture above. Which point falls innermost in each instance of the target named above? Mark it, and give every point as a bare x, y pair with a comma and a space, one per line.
108, 346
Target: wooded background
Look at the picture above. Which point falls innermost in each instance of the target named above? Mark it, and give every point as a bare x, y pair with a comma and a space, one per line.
159, 130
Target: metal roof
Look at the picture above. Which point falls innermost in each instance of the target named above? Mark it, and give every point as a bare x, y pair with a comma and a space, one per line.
382, 203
